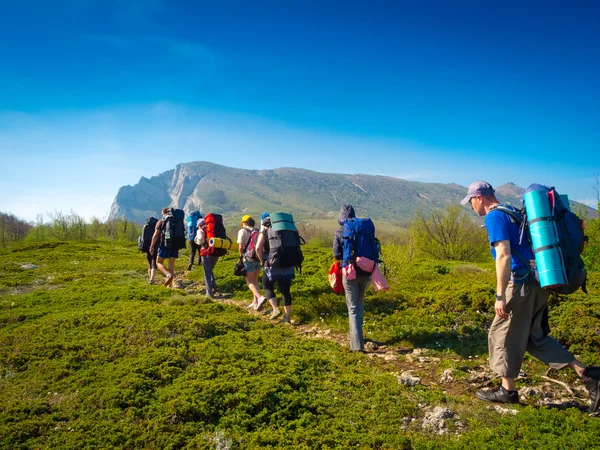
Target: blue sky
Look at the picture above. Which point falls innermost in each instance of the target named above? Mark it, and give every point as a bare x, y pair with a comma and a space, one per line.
97, 94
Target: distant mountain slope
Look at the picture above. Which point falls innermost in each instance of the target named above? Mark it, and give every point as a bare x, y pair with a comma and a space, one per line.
210, 187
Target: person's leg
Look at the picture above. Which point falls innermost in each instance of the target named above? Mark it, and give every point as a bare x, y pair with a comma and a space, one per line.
193, 248
213, 262
252, 282
269, 288
540, 345
171, 270
209, 279
161, 267
284, 288
153, 269
151, 266
351, 287
149, 261
507, 342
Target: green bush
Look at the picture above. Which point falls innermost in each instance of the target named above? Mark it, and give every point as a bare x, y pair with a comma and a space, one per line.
448, 234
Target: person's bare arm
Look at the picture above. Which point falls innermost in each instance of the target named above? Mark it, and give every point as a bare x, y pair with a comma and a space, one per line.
155, 238
502, 275
260, 248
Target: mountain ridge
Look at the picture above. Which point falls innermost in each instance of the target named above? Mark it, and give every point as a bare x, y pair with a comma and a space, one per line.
206, 186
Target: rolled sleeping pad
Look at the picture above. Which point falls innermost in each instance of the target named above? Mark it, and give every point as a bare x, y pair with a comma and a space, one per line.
544, 239
219, 243
282, 221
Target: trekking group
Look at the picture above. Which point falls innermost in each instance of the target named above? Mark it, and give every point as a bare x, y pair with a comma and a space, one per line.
526, 271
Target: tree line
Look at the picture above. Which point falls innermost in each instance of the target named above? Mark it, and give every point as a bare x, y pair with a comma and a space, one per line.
448, 234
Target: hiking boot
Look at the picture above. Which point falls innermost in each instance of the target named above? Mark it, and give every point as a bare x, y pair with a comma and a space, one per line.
261, 302
593, 387
189, 267
152, 282
286, 319
275, 314
498, 395
169, 280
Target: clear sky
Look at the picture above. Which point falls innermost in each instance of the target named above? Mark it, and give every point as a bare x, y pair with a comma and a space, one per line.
97, 93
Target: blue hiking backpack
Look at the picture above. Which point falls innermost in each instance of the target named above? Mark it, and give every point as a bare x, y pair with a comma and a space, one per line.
360, 240
570, 238
192, 223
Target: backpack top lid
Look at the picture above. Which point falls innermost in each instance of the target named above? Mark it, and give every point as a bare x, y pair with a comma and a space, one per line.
358, 225
211, 218
281, 221
560, 202
178, 214
193, 217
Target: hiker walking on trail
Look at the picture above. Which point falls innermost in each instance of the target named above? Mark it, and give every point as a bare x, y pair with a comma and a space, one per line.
354, 289
192, 227
163, 252
246, 240
282, 276
144, 242
521, 321
209, 260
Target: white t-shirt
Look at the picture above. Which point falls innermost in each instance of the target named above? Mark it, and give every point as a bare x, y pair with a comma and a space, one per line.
200, 238
244, 235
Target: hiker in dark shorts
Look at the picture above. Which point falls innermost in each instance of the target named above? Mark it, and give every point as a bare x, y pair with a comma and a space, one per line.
521, 305
273, 275
164, 252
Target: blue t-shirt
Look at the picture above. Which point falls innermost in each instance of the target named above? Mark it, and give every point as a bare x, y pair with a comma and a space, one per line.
501, 228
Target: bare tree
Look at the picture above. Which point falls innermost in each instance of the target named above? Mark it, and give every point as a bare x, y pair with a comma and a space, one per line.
596, 188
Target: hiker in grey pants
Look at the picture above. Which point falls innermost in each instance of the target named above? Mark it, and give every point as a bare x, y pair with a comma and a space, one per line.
355, 289
355, 301
208, 264
521, 321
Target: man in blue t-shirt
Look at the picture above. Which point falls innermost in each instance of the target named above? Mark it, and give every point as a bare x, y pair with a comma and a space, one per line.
520, 305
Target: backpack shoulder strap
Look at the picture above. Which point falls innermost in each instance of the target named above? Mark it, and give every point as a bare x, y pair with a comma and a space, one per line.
248, 241
514, 216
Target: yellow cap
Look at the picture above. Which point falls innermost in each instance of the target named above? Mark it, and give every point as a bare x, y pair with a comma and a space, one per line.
246, 218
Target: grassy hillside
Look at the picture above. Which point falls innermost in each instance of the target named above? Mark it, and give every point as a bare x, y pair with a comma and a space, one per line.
93, 356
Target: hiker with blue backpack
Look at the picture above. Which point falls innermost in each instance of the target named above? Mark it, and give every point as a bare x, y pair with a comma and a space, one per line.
191, 230
355, 239
521, 320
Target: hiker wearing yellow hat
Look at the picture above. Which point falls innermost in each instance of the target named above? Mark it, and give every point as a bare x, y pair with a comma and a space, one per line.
246, 240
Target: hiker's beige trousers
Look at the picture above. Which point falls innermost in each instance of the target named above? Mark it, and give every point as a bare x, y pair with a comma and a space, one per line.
508, 339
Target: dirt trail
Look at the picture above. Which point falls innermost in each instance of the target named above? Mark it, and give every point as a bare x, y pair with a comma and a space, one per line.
420, 366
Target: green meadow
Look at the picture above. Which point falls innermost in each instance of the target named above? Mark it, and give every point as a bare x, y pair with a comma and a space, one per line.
92, 356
